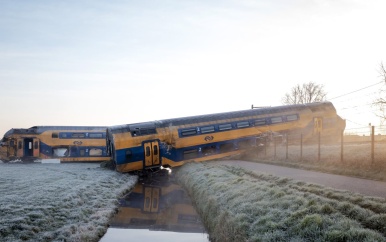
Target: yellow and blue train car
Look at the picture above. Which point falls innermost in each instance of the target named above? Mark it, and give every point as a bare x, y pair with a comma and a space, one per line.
66, 143
172, 142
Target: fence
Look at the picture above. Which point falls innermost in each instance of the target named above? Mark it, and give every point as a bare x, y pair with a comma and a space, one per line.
364, 145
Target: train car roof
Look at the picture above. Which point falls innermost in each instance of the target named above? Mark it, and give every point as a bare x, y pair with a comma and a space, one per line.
219, 116
41, 129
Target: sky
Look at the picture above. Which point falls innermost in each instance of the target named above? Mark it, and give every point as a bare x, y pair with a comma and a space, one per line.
94, 62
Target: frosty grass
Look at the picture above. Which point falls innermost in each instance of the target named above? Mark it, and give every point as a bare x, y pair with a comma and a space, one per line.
58, 202
240, 205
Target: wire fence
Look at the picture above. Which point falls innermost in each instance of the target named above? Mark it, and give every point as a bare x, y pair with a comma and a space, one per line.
366, 145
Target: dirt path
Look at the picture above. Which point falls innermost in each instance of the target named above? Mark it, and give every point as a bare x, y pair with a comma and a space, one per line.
362, 186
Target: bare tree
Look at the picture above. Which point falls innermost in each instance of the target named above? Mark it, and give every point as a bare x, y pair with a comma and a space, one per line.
306, 93
380, 103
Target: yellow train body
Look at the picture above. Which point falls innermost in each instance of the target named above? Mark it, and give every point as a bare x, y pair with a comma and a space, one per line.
170, 142
173, 142
65, 143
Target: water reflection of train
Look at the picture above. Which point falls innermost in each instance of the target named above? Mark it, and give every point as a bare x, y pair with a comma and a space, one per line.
172, 142
69, 144
157, 206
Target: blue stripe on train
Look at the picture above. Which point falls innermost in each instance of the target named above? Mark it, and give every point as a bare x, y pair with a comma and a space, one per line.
135, 154
73, 150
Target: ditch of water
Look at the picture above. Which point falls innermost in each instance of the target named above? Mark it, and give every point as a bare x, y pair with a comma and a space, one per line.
156, 209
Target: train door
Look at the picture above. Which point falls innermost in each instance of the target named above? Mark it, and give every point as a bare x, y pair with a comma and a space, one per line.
151, 150
151, 201
28, 147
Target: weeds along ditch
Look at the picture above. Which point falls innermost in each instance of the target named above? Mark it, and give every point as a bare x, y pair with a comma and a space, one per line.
240, 205
58, 202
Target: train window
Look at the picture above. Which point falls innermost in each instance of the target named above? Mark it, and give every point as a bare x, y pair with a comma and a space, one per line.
259, 122
63, 135
242, 124
276, 120
188, 132
60, 152
36, 145
155, 150
78, 135
190, 154
73, 151
138, 132
55, 135
148, 131
225, 126
19, 145
207, 129
128, 154
95, 152
147, 151
292, 117
82, 153
95, 135
12, 143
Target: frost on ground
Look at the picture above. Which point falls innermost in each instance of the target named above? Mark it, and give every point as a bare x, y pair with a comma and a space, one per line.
240, 205
58, 202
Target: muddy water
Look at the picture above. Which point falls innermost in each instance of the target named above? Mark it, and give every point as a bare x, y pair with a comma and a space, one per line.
156, 210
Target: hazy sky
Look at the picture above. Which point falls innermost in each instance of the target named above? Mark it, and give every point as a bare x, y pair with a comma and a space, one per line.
92, 62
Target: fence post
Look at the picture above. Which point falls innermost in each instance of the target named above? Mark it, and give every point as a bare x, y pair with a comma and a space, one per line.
341, 145
319, 146
265, 147
372, 144
301, 147
286, 146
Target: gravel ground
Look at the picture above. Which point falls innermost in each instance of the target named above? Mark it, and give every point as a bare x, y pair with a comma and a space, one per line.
58, 202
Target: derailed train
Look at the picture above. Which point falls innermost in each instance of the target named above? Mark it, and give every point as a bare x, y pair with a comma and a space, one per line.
66, 143
171, 142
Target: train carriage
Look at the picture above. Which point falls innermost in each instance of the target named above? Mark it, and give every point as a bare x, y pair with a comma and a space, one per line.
172, 142
66, 143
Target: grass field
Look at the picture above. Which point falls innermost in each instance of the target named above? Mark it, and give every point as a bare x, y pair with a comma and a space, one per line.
74, 202
58, 202
240, 205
